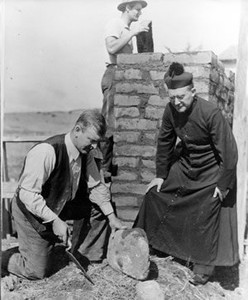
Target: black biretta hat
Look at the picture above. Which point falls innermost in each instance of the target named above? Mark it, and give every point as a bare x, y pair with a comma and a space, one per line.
176, 78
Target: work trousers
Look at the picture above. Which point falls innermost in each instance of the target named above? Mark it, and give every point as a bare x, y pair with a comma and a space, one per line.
33, 259
106, 146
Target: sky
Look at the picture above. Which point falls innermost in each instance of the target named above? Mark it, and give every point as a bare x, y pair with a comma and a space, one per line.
54, 54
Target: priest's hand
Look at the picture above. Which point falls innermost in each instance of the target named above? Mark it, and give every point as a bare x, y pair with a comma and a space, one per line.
60, 228
115, 223
155, 182
220, 194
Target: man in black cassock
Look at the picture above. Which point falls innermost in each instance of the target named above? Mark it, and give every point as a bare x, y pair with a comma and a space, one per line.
189, 209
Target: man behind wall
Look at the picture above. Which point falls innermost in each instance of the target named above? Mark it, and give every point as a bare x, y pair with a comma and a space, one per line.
61, 181
189, 210
118, 39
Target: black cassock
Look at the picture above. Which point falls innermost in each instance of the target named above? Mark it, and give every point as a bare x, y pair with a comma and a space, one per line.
184, 219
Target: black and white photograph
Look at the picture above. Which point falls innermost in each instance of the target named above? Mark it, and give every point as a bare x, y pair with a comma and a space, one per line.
124, 149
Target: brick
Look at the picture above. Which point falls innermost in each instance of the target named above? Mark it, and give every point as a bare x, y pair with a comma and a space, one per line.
135, 124
139, 58
202, 86
127, 214
126, 176
228, 84
131, 162
202, 57
150, 164
199, 71
133, 74
119, 75
158, 101
154, 113
224, 94
126, 136
128, 188
156, 75
204, 96
213, 99
150, 136
214, 76
124, 100
147, 175
136, 88
126, 201
220, 66
135, 150
126, 112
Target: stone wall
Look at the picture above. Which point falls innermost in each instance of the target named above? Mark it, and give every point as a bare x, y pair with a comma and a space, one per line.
139, 99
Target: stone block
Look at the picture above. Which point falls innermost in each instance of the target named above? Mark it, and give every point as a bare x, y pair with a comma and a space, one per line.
149, 290
126, 176
224, 94
202, 86
158, 101
127, 136
213, 99
199, 71
128, 188
125, 100
128, 252
157, 75
133, 74
153, 113
131, 162
127, 214
147, 175
196, 57
149, 137
130, 87
228, 84
139, 58
121, 201
204, 96
119, 75
214, 76
150, 164
135, 124
135, 150
126, 112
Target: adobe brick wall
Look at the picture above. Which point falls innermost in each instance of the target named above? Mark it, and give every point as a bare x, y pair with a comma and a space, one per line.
140, 98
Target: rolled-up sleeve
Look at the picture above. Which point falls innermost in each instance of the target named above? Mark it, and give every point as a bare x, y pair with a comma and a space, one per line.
99, 193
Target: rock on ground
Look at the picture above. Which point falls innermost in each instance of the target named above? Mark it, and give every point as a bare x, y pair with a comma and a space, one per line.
128, 252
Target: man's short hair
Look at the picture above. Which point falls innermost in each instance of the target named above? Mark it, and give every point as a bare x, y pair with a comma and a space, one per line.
93, 117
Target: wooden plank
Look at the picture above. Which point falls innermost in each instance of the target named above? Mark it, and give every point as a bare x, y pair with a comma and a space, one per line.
240, 122
5, 163
24, 139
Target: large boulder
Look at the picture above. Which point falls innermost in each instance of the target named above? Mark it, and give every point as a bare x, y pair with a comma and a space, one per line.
128, 252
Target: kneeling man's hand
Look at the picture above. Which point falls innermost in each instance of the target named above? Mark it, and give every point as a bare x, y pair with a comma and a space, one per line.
60, 228
115, 223
155, 182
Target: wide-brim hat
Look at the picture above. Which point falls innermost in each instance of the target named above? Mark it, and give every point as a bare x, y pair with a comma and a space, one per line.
123, 4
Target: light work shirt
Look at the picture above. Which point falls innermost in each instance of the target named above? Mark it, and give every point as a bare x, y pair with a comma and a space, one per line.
117, 28
40, 162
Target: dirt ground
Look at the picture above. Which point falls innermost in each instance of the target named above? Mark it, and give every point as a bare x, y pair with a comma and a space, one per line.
68, 283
